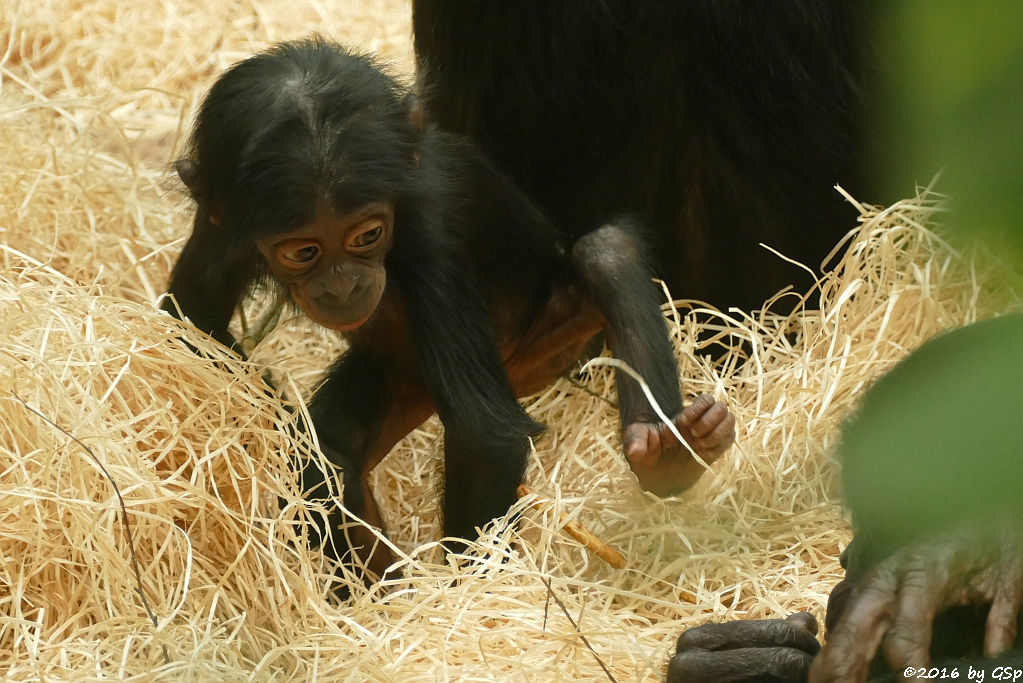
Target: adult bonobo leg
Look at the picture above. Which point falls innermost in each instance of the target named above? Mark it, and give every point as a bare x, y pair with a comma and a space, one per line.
613, 266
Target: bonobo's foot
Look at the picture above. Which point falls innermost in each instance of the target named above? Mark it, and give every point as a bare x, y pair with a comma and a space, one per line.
662, 464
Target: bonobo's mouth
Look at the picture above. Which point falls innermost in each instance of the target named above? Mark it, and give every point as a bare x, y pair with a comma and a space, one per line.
339, 318
344, 327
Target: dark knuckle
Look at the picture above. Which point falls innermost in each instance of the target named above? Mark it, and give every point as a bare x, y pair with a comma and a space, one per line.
917, 577
685, 666
877, 587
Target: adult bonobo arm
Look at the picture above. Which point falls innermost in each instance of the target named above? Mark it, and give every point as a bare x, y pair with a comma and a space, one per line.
898, 609
931, 472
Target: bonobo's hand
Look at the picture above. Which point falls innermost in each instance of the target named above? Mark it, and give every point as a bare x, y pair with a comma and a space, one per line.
893, 607
777, 650
662, 464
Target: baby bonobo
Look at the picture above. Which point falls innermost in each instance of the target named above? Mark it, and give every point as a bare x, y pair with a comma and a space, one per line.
313, 172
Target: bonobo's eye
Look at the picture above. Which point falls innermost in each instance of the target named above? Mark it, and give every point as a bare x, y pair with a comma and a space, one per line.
300, 255
366, 236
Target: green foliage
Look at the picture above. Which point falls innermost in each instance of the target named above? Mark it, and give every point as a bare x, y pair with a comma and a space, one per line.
955, 103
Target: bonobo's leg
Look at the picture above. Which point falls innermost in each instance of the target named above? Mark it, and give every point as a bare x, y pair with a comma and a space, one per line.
612, 265
555, 341
367, 404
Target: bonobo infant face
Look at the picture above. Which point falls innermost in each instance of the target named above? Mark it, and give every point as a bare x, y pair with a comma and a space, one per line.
334, 265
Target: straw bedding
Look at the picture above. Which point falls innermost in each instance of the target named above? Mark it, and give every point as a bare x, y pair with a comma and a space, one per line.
102, 398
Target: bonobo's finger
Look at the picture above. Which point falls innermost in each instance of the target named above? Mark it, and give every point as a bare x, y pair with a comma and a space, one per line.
747, 665
755, 633
1000, 633
853, 643
707, 420
697, 407
907, 642
804, 620
717, 441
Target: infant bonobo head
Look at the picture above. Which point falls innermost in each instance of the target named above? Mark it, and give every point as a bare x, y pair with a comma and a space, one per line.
306, 154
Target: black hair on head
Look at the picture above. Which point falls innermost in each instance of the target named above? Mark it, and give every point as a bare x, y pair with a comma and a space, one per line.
301, 123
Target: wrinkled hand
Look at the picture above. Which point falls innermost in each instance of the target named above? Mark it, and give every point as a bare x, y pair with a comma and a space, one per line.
893, 607
772, 649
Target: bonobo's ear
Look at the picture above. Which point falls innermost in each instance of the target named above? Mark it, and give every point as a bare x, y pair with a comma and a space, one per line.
416, 115
188, 171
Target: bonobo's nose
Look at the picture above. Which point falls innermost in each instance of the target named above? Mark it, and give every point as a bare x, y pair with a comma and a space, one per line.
333, 289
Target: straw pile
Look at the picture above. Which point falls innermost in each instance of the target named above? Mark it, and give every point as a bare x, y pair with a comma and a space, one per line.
199, 575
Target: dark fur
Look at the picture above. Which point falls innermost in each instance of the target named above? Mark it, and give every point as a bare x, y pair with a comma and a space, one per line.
264, 152
472, 266
718, 124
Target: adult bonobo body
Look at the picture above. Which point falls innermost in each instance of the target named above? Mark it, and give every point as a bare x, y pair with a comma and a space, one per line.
719, 124
313, 172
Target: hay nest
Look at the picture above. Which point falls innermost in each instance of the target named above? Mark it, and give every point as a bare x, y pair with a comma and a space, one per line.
150, 526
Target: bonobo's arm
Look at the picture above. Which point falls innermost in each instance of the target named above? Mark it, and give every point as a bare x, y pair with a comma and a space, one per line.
211, 275
486, 431
779, 650
931, 472
206, 285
